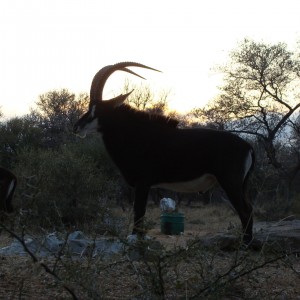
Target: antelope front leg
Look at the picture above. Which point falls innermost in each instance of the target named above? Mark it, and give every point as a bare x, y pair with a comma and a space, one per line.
139, 207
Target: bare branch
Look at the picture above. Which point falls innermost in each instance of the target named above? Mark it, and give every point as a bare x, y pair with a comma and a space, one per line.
35, 260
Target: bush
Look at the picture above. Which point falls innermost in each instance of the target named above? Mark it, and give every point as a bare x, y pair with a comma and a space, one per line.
69, 185
296, 205
15, 135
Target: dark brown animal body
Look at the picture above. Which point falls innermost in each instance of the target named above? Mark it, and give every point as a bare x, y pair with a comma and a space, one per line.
151, 151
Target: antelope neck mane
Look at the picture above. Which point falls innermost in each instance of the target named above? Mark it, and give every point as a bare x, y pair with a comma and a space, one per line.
132, 115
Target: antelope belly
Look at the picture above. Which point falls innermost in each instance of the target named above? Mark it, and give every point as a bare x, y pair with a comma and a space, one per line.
201, 184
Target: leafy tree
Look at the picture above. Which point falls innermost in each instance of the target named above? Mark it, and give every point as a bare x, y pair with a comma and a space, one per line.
259, 95
17, 134
56, 113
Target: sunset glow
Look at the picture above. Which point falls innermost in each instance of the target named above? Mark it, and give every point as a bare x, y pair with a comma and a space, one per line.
62, 44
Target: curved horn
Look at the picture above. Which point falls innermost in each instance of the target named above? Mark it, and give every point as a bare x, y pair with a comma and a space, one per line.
101, 77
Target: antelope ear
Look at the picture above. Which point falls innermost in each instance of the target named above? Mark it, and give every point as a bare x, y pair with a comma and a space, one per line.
119, 100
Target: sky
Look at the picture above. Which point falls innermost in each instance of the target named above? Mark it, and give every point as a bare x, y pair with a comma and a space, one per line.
54, 44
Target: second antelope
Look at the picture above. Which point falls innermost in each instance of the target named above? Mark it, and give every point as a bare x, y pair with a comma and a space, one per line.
151, 151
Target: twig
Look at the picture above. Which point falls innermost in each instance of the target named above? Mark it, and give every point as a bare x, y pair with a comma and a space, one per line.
35, 260
241, 274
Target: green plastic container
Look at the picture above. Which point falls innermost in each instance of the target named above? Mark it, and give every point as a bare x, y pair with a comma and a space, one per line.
172, 223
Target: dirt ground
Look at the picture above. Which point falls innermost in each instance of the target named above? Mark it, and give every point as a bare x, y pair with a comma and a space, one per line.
121, 278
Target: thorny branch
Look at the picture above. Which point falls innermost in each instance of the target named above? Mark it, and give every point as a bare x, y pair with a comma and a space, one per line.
229, 275
35, 260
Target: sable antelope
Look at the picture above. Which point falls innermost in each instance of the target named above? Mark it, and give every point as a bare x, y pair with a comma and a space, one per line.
151, 151
8, 182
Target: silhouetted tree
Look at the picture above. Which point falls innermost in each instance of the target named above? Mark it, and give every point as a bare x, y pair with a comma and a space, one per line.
144, 98
259, 99
259, 94
56, 113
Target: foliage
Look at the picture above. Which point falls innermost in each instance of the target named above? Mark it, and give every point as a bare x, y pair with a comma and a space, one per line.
17, 134
144, 99
61, 108
56, 113
63, 185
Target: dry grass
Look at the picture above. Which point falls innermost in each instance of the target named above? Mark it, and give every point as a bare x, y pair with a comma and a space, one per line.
181, 269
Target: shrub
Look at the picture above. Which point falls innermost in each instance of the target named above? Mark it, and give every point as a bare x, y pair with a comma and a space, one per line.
65, 185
